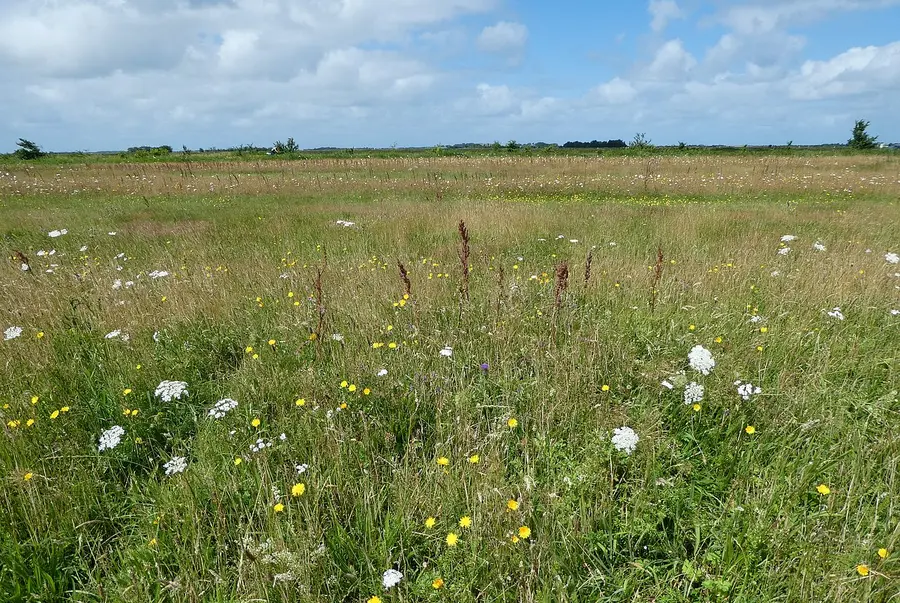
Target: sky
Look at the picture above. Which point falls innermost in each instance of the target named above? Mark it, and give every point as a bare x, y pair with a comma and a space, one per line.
96, 75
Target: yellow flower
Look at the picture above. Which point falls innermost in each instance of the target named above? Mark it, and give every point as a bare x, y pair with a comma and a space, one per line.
512, 505
137, 368
883, 553
152, 542
64, 409
343, 406
34, 400
514, 539
351, 388
437, 583
513, 423
238, 460
764, 329
691, 328
862, 569
429, 523
249, 349
28, 476
290, 294
524, 532
759, 348
298, 489
823, 489
392, 345
367, 391
255, 422
452, 539
696, 407
29, 422
300, 402
138, 441
604, 388
750, 429
255, 356
271, 342
474, 459
343, 384
126, 391
443, 461
54, 414
374, 600
312, 336
377, 345
278, 508
718, 340
465, 521
40, 334
134, 412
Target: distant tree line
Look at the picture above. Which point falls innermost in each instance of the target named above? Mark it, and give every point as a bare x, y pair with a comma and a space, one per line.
595, 144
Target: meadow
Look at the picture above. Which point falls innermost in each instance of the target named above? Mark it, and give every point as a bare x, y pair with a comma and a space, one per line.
578, 379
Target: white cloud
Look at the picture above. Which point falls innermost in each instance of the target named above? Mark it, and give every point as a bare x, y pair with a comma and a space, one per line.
762, 16
671, 61
663, 11
614, 92
856, 71
504, 37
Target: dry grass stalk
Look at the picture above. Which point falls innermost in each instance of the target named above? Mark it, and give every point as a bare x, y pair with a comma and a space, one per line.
657, 276
464, 258
562, 282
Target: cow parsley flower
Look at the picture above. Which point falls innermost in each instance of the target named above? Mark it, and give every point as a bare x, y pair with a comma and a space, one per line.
158, 274
345, 223
57, 233
701, 359
892, 258
836, 313
171, 390
222, 408
110, 438
784, 251
446, 352
176, 465
337, 337
818, 246
788, 238
382, 373
391, 578
113, 334
301, 468
746, 390
12, 333
625, 439
693, 392
260, 445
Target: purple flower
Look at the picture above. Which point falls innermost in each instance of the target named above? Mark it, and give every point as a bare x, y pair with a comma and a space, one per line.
485, 366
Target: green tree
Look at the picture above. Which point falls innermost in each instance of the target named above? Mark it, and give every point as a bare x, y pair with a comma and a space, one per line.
28, 150
861, 139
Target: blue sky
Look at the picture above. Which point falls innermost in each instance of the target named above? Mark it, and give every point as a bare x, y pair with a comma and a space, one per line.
109, 74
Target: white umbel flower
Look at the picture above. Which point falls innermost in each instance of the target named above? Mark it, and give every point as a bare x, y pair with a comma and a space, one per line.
446, 352
222, 408
158, 273
818, 246
701, 359
391, 578
836, 313
892, 258
784, 251
57, 233
625, 439
176, 465
12, 333
171, 390
110, 438
693, 392
747, 390
381, 373
788, 238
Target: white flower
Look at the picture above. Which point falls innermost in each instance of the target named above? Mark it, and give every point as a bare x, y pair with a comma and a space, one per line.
892, 258
41, 253
701, 359
117, 284
337, 337
391, 578
895, 312
12, 333
774, 273
158, 273
746, 390
260, 445
110, 438
573, 240
693, 392
112, 234
446, 352
788, 238
818, 246
83, 248
156, 336
836, 313
25, 267
282, 437
667, 384
57, 233
612, 243
625, 439
381, 373
755, 318
113, 334
301, 468
170, 390
176, 465
784, 251
222, 408
345, 223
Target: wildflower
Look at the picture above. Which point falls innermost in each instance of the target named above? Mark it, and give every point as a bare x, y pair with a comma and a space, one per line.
429, 523
28, 476
12, 333
259, 445
278, 508
437, 583
693, 393
64, 409
392, 345
443, 461
271, 342
465, 521
110, 438
818, 246
29, 422
382, 373
221, 408
54, 414
34, 400
300, 402
836, 313
391, 578
452, 539
892, 258
604, 388
446, 352
366, 391
692, 327
374, 600
667, 384
344, 384
474, 459
524, 532
883, 553
784, 251
823, 489
514, 539
351, 388
750, 429
485, 366
301, 468
862, 569
40, 335
238, 460
176, 465
625, 439
788, 238
512, 505
249, 349
255, 422
169, 390
701, 359
57, 233
337, 337
158, 274
746, 390
512, 423
298, 489
312, 336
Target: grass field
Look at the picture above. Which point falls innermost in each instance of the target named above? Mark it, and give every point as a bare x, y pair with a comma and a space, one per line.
462, 428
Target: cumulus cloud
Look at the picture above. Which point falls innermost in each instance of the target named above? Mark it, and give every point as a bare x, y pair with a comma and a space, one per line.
662, 12
504, 37
856, 71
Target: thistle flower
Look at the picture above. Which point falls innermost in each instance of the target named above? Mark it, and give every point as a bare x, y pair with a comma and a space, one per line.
701, 359
693, 393
177, 464
221, 408
169, 390
625, 439
110, 438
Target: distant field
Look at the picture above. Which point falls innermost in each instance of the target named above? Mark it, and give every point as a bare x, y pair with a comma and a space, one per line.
463, 428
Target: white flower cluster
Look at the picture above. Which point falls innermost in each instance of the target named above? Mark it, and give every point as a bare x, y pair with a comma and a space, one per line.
301, 468
176, 465
171, 390
260, 445
625, 439
836, 313
892, 258
57, 233
158, 274
337, 337
345, 223
12, 333
746, 390
381, 373
693, 392
701, 359
391, 578
222, 408
788, 238
110, 438
784, 251
117, 334
818, 246
446, 352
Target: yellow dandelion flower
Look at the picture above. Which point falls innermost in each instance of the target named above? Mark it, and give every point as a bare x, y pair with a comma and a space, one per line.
64, 409
54, 414
524, 532
343, 406
604, 388
429, 523
452, 539
256, 356
34, 400
300, 402
298, 489
28, 476
29, 422
718, 340
862, 569
374, 600
691, 327
134, 412
696, 407
437, 583
249, 349
759, 348
344, 384
513, 423
764, 329
392, 345
152, 542
40, 334
367, 391
750, 429
514, 539
137, 368
238, 460
512, 505
312, 336
883, 553
443, 461
126, 391
474, 459
351, 388
823, 489
278, 508
271, 342
255, 422
465, 521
